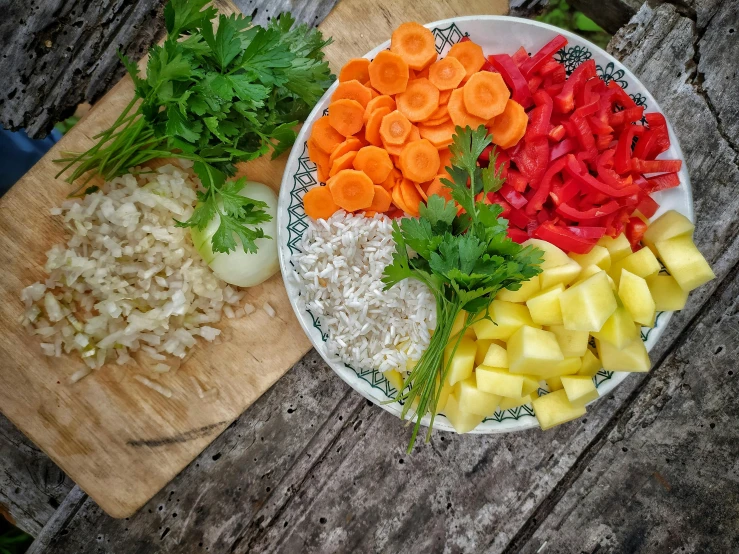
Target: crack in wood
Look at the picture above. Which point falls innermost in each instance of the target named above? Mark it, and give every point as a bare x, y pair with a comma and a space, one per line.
180, 438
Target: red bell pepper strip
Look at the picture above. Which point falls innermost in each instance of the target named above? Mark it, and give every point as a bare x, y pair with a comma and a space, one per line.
647, 206
542, 216
603, 142
565, 192
495, 198
520, 57
622, 159
485, 154
556, 134
533, 158
540, 116
620, 96
543, 55
519, 218
564, 102
517, 235
656, 166
534, 83
554, 89
584, 135
465, 39
599, 126
514, 198
645, 144
516, 180
545, 186
512, 76
658, 124
587, 232
565, 210
661, 182
635, 230
573, 168
629, 115
563, 238
550, 67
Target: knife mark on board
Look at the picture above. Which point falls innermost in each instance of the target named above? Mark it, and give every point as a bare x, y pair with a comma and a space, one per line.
176, 439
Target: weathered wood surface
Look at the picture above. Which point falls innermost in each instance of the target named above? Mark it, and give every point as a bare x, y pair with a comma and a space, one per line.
333, 464
31, 485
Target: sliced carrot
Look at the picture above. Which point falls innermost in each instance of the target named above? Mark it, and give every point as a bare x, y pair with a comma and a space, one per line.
352, 190
411, 198
395, 213
320, 159
438, 135
422, 192
361, 137
419, 100
419, 160
415, 44
349, 145
346, 116
459, 114
445, 159
395, 128
396, 149
470, 56
318, 203
382, 101
396, 162
324, 135
353, 90
342, 162
442, 112
439, 188
392, 179
485, 94
381, 200
446, 74
397, 196
444, 97
375, 162
388, 73
355, 69
372, 129
510, 126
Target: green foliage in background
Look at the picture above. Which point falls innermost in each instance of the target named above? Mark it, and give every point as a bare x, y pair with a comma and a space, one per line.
561, 14
13, 541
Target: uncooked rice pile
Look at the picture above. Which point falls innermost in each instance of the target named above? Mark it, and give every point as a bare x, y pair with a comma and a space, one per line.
128, 280
340, 271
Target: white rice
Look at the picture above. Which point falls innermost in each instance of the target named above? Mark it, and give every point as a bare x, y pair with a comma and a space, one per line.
339, 271
128, 279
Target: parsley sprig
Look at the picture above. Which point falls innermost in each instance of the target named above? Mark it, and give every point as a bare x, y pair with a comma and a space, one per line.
464, 259
216, 95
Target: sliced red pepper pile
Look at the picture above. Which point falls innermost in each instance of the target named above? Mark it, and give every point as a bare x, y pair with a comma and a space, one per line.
585, 165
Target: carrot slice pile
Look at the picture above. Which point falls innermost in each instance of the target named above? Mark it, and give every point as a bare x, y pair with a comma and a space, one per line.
419, 100
384, 146
415, 44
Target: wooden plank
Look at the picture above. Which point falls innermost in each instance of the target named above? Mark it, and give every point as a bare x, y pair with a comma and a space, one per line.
31, 485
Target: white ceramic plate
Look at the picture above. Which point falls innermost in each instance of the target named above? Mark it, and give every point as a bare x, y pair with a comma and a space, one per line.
496, 34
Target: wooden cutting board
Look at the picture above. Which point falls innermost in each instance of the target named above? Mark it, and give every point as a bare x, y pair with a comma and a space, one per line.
118, 440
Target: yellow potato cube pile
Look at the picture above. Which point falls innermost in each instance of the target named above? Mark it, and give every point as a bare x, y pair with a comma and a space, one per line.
539, 336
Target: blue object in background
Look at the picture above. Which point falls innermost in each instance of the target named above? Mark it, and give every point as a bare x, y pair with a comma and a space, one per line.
18, 153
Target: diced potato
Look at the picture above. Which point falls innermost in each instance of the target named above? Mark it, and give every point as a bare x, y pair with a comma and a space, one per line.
544, 307
532, 351
528, 289
458, 323
553, 256
530, 384
588, 304
473, 400
568, 366
599, 256
510, 403
580, 389
563, 274
669, 225
496, 356
499, 381
619, 329
633, 357
684, 262
587, 272
618, 248
554, 408
590, 364
463, 422
554, 383
395, 379
634, 293
446, 390
642, 263
463, 362
667, 293
508, 318
572, 343
482, 349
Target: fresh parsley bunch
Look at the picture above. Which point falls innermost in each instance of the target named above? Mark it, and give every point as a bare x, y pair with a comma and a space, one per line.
216, 97
464, 259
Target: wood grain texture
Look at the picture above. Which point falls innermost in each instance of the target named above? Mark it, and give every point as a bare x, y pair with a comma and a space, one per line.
31, 485
57, 54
